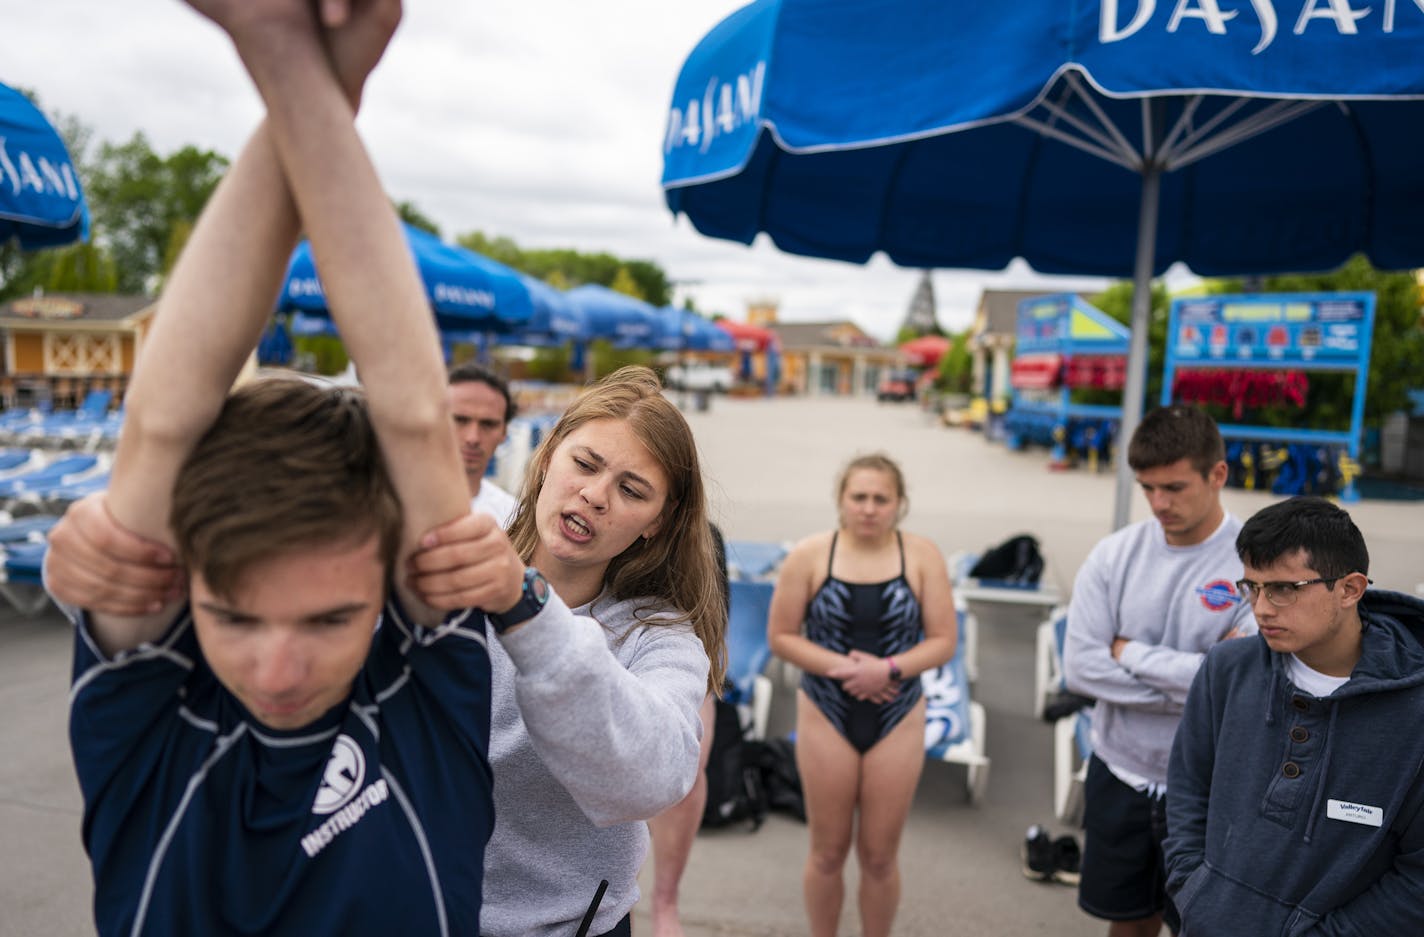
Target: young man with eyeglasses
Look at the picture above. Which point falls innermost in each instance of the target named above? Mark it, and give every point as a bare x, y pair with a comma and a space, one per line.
1296, 800
1148, 603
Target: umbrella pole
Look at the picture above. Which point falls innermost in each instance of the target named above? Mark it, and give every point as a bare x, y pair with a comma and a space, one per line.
1137, 348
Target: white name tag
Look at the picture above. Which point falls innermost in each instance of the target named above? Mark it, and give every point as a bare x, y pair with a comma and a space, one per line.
1354, 813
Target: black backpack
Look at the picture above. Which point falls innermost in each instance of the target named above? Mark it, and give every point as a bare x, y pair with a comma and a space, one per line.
734, 786
776, 762
1016, 561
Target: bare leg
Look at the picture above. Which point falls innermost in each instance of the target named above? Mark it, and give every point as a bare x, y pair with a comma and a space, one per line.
889, 774
673, 831
1143, 927
830, 772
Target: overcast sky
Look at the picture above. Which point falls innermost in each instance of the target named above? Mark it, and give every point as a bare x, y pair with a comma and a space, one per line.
540, 120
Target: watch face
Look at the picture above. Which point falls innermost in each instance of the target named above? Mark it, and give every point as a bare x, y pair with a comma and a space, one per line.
538, 587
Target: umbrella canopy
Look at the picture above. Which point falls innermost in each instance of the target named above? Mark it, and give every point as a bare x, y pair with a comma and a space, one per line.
555, 320
748, 337
41, 201
624, 320
467, 291
685, 330
1106, 138
925, 351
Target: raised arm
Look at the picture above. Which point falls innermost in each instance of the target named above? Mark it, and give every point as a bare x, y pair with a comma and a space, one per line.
210, 316
375, 294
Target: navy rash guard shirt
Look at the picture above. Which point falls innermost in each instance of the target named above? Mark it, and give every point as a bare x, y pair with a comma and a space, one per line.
372, 820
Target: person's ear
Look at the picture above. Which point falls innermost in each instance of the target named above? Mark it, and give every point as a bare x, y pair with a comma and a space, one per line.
1216, 477
1352, 588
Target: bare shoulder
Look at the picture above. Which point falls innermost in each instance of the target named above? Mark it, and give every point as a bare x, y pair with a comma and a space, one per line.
810, 552
923, 551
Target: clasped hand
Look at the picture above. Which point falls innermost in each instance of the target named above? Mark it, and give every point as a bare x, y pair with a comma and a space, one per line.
865, 677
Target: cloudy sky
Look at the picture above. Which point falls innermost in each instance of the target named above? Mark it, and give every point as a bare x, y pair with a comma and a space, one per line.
540, 120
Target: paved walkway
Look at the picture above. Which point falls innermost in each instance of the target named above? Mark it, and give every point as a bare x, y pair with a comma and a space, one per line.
772, 465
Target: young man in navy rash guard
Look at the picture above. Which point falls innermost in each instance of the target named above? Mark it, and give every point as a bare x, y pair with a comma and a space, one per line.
298, 748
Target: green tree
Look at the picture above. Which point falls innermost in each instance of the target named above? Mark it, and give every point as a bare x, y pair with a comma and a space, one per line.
624, 283
563, 267
956, 367
81, 268
326, 353
607, 359
137, 197
416, 218
1116, 301
552, 365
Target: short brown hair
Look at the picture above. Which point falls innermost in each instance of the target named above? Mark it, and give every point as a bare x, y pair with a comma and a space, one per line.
1170, 434
472, 372
287, 464
679, 565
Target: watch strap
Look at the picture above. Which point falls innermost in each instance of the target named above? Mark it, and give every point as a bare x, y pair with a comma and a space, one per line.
533, 596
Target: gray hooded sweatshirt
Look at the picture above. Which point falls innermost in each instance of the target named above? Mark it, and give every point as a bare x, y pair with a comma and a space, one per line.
594, 728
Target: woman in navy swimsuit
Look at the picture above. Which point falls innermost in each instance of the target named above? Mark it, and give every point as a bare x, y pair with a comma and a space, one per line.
877, 612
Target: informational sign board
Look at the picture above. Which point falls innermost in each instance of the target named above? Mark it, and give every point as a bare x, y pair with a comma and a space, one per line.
1276, 331
1330, 330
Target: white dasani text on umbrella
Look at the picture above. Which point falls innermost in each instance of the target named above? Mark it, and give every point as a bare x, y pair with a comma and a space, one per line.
37, 173
1346, 18
725, 107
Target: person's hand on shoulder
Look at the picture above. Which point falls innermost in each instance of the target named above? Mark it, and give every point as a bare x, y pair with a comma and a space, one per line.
95, 564
467, 563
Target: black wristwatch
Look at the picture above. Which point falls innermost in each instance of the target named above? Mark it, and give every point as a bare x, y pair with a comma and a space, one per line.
531, 601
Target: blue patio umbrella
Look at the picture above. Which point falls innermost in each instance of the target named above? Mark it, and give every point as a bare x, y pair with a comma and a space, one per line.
1106, 138
466, 290
624, 320
684, 330
556, 320
41, 200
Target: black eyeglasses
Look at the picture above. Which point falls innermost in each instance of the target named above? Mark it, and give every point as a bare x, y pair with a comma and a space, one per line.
1280, 594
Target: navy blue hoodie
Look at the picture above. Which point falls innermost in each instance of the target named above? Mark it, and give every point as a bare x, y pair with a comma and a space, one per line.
1293, 815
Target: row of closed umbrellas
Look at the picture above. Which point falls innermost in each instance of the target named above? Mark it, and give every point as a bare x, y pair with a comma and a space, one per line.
475, 299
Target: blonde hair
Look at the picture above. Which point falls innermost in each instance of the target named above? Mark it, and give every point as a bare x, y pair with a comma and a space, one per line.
878, 462
678, 565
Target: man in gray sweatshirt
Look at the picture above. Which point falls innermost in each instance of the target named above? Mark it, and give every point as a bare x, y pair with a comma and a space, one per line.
1148, 603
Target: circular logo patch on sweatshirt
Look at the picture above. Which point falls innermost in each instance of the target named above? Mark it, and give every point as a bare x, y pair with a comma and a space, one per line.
1218, 595
341, 781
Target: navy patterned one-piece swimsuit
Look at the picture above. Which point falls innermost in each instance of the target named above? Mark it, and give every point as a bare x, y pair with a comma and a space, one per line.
881, 618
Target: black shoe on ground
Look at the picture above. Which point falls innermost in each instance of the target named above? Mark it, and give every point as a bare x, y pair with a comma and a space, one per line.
1038, 855
1067, 861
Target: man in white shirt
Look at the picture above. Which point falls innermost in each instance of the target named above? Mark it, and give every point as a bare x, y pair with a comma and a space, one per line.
481, 406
